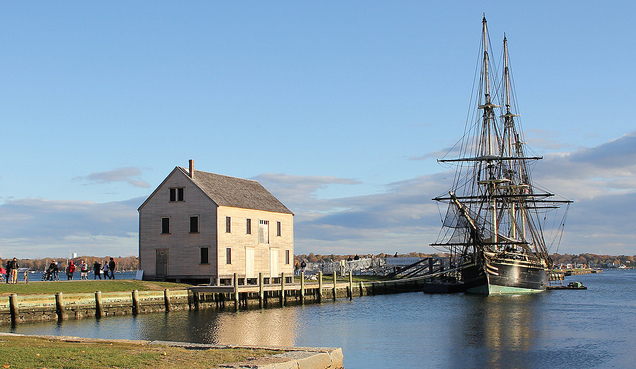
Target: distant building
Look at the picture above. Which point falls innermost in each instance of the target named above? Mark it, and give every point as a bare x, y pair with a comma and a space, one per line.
200, 226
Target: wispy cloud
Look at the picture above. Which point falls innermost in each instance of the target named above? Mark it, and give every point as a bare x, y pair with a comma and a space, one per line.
39, 227
128, 175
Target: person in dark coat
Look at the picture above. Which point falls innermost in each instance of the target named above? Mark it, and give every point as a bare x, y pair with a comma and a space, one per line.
14, 271
9, 268
111, 268
97, 269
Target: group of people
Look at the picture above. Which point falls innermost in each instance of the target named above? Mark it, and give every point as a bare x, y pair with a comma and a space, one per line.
108, 269
11, 271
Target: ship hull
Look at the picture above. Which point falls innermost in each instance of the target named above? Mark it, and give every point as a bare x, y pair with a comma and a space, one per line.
505, 276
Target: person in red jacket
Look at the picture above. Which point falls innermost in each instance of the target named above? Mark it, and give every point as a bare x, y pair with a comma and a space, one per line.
70, 269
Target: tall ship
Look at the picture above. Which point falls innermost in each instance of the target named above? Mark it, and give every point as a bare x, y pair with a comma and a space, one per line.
495, 227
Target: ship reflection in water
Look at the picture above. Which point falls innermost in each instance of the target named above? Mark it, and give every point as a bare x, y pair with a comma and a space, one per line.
501, 328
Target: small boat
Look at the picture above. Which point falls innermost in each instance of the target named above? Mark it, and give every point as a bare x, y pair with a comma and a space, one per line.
497, 217
569, 286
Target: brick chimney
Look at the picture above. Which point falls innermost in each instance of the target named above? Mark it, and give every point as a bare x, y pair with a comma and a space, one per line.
191, 168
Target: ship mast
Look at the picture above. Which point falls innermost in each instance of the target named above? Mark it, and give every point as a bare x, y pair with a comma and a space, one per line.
489, 129
514, 147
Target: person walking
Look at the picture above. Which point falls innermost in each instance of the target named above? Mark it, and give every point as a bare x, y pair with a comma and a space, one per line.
83, 271
70, 270
14, 271
9, 268
97, 269
56, 271
111, 267
105, 269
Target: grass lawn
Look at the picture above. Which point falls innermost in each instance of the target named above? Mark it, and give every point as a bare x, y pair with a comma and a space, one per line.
39, 352
90, 286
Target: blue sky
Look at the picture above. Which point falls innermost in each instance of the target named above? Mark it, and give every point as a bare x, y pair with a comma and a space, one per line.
339, 108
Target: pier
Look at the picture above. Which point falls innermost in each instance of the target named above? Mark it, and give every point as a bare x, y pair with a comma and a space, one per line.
326, 288
19, 309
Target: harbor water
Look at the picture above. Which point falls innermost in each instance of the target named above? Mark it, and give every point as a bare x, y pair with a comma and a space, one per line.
593, 328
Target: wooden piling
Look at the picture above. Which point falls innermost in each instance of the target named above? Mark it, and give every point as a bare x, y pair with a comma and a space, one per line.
335, 282
235, 292
13, 307
282, 289
302, 287
166, 299
320, 286
261, 291
196, 301
135, 302
59, 305
350, 291
99, 312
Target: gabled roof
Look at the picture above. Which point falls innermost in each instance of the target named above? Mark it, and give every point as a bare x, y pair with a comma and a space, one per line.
232, 192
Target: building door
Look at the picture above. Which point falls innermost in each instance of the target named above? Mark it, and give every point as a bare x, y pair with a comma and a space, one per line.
273, 252
249, 262
162, 263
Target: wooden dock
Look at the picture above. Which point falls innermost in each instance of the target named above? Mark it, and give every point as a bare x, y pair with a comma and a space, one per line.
19, 309
283, 293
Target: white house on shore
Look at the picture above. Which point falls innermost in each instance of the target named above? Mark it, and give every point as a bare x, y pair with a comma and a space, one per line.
204, 227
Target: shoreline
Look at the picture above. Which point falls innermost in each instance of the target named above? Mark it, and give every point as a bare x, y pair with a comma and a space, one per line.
268, 357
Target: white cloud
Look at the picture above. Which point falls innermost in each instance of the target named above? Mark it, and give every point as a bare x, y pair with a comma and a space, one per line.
128, 175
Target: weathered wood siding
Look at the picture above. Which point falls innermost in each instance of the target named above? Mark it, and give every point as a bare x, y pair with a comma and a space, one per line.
183, 247
238, 240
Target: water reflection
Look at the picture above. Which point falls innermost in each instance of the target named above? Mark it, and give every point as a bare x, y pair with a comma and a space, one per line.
499, 330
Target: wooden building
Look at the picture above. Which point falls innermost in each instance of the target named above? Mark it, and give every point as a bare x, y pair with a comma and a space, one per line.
204, 227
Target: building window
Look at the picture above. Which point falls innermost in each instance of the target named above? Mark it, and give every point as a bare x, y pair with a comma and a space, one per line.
165, 225
263, 231
248, 226
176, 194
228, 225
228, 255
204, 255
194, 224
287, 257
279, 229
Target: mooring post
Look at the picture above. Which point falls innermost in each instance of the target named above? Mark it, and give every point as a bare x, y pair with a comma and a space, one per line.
59, 305
320, 286
166, 299
13, 307
135, 302
195, 298
236, 291
302, 287
98, 304
335, 281
350, 286
282, 289
261, 290
361, 288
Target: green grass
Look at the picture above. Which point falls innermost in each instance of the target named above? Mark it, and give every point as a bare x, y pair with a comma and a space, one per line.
39, 352
90, 286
